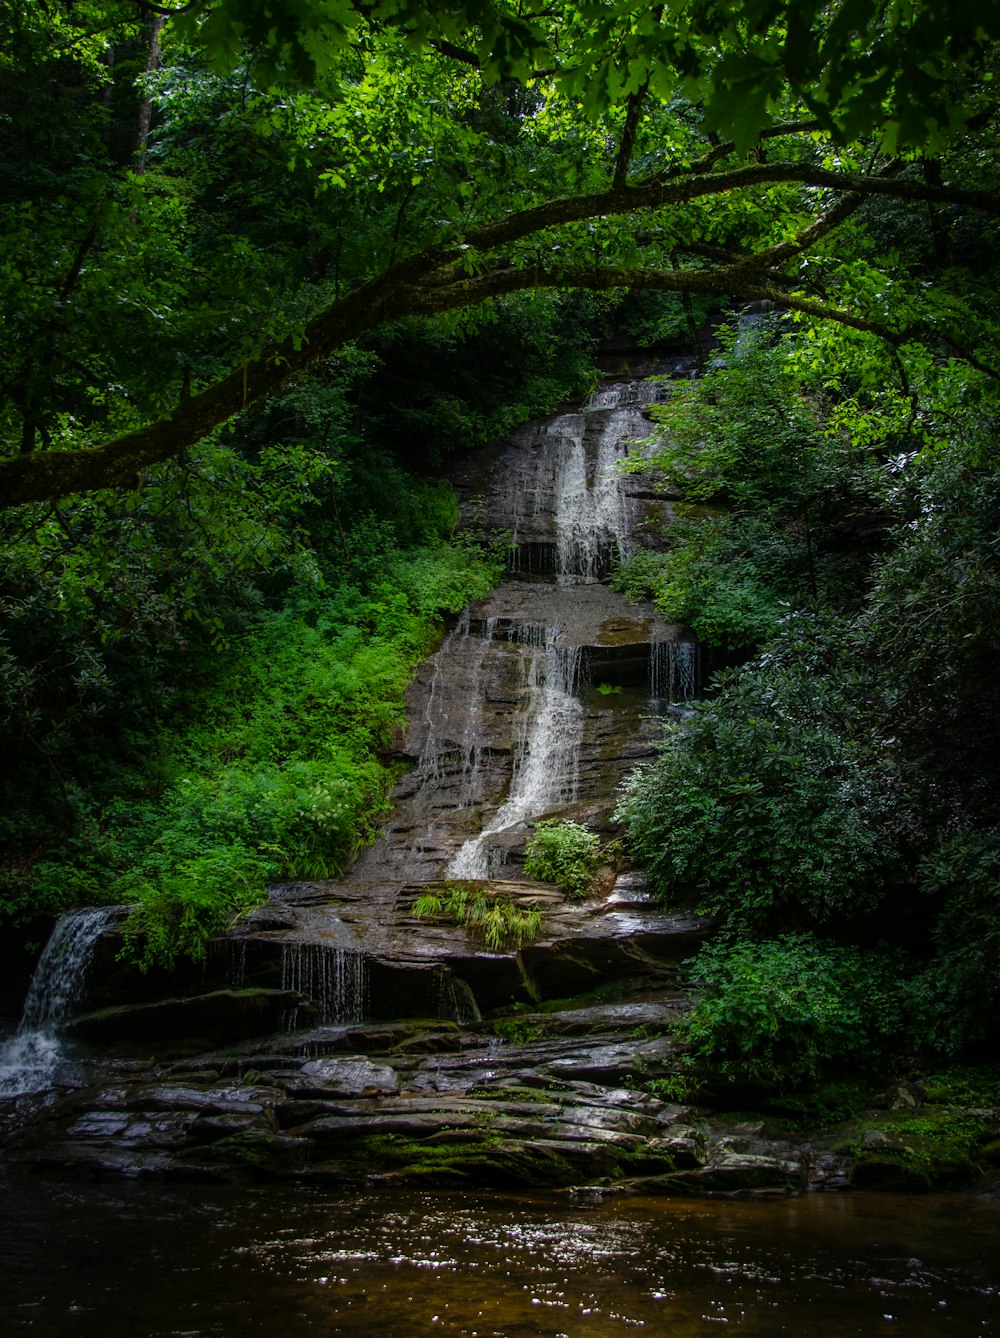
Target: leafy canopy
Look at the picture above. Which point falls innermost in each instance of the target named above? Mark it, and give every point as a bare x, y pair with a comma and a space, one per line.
859, 67
310, 172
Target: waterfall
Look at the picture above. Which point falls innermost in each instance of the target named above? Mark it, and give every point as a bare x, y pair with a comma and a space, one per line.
29, 1061
673, 670
336, 979
546, 753
591, 516
498, 734
626, 394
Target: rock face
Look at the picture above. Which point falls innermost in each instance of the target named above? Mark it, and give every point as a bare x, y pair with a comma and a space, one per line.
542, 1098
336, 1035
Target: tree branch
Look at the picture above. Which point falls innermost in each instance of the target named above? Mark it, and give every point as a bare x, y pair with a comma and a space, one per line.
633, 115
433, 281
661, 195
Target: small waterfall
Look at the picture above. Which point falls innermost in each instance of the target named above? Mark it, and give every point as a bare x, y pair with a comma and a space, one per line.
673, 670
591, 513
471, 753
626, 394
336, 979
568, 509
29, 1061
547, 752
444, 759
429, 764
229, 956
455, 1000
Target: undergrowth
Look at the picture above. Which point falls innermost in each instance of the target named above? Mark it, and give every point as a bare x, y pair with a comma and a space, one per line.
491, 914
564, 853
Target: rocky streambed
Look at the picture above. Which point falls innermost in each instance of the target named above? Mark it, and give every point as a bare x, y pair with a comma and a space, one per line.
538, 1092
335, 1035
414, 1056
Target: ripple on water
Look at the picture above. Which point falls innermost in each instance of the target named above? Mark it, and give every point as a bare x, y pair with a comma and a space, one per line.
230, 1262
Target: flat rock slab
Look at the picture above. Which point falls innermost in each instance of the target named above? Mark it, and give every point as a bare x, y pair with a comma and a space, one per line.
344, 1077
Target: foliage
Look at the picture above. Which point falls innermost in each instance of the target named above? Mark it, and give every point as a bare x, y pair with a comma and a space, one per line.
775, 491
955, 999
281, 775
266, 183
185, 897
490, 913
564, 853
726, 578
961, 1085
931, 624
766, 808
844, 780
263, 276
785, 1012
859, 70
199, 683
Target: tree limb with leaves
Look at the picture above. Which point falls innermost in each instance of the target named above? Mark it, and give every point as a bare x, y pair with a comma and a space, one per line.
689, 73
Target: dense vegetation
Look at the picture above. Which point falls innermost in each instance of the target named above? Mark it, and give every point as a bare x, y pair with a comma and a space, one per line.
201, 682
833, 800
266, 267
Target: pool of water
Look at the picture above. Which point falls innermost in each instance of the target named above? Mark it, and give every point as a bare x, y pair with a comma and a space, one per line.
150, 1260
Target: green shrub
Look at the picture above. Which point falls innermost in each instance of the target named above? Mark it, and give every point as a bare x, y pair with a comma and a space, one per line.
770, 807
183, 899
564, 853
784, 1013
955, 999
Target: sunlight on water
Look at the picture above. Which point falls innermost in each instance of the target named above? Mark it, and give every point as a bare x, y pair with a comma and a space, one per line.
226, 1261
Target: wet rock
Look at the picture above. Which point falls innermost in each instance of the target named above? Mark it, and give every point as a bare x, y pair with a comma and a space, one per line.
344, 1077
224, 1014
903, 1095
685, 1148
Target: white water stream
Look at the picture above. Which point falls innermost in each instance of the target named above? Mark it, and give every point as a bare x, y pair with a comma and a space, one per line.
545, 758
29, 1061
591, 520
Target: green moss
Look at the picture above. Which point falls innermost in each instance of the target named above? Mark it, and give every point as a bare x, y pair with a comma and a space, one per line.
934, 1147
476, 1156
518, 1030
963, 1085
639, 1161
251, 1149
520, 1095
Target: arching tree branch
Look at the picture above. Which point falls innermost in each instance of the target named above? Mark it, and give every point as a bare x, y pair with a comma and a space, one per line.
438, 279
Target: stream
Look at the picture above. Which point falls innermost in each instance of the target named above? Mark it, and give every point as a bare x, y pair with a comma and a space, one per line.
350, 1120
175, 1261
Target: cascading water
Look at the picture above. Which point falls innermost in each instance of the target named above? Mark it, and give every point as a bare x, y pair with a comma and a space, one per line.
30, 1060
592, 526
592, 521
673, 670
499, 733
336, 979
545, 759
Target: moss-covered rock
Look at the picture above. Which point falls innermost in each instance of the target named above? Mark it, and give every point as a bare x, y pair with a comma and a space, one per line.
935, 1147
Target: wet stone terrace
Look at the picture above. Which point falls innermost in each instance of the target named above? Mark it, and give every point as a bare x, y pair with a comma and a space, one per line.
335, 1035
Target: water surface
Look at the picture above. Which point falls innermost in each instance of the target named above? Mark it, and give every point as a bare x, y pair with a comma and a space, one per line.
194, 1261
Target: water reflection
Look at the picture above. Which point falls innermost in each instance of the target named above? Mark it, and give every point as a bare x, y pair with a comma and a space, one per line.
224, 1262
